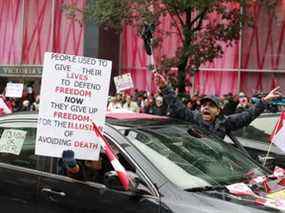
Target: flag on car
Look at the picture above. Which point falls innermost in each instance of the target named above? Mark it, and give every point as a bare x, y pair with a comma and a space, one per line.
118, 167
278, 134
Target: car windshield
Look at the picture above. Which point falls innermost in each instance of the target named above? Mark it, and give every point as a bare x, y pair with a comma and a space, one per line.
191, 159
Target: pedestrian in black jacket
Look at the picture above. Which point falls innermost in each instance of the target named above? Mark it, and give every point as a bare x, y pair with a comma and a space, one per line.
210, 117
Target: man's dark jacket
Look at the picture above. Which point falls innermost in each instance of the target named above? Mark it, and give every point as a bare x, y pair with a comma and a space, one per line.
222, 124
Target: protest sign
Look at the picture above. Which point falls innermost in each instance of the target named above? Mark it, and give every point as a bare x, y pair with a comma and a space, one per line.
12, 141
14, 90
123, 82
74, 94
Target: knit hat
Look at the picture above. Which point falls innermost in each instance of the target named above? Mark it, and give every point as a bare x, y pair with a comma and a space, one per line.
211, 98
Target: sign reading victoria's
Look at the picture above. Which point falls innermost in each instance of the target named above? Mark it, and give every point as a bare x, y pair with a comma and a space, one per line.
21, 71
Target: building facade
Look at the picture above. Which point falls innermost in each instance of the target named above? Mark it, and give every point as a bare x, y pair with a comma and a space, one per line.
254, 63
29, 28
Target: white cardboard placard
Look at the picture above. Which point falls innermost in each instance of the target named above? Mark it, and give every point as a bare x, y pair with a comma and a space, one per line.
12, 141
14, 90
123, 82
74, 94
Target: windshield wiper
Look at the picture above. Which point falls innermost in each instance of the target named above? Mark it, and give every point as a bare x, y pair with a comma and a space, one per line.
195, 133
206, 188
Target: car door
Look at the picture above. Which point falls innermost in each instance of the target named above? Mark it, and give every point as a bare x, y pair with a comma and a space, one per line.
19, 174
64, 194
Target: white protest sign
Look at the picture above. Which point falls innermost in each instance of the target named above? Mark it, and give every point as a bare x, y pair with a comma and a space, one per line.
14, 90
123, 82
12, 141
74, 94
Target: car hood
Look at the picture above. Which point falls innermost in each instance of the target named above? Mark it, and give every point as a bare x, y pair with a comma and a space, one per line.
178, 201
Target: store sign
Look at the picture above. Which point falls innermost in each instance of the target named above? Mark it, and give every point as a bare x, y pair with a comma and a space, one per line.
34, 71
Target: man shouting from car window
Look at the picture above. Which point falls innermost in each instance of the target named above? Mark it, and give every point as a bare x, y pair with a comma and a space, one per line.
210, 117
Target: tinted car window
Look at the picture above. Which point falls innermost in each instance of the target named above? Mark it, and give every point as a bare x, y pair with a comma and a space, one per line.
26, 158
260, 129
88, 173
192, 160
252, 133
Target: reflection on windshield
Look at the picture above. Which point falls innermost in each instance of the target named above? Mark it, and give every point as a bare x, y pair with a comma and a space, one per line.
190, 161
253, 133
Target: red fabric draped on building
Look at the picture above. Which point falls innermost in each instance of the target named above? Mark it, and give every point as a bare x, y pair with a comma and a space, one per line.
30, 28
260, 59
263, 49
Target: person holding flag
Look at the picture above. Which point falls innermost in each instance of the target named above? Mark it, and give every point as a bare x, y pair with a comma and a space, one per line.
210, 117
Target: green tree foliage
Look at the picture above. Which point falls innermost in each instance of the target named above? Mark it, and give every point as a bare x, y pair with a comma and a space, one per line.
201, 35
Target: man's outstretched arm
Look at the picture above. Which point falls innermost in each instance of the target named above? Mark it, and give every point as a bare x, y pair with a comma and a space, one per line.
175, 107
239, 120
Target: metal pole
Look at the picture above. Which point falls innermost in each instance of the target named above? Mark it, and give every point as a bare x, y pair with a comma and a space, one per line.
267, 154
225, 69
240, 53
52, 23
120, 55
193, 84
52, 41
22, 31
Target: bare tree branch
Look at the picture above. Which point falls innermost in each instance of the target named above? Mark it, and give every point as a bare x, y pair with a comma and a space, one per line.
199, 16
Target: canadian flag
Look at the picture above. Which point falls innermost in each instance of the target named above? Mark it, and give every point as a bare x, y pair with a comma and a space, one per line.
278, 134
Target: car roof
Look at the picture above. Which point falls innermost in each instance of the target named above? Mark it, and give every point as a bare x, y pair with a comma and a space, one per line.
117, 119
137, 119
19, 116
133, 116
269, 114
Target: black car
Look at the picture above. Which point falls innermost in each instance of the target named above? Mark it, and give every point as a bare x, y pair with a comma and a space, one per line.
176, 167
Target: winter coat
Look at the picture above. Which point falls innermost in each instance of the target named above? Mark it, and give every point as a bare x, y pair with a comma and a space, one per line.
221, 125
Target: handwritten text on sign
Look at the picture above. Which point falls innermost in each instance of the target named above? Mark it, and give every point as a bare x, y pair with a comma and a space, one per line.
123, 82
14, 90
74, 93
12, 141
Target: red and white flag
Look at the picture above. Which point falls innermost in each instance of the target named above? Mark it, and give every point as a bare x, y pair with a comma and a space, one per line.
278, 134
118, 167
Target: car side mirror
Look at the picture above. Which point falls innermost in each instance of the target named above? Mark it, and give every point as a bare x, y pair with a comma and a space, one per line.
111, 180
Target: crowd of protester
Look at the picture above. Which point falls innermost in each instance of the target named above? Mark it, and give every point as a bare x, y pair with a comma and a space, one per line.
28, 102
145, 102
